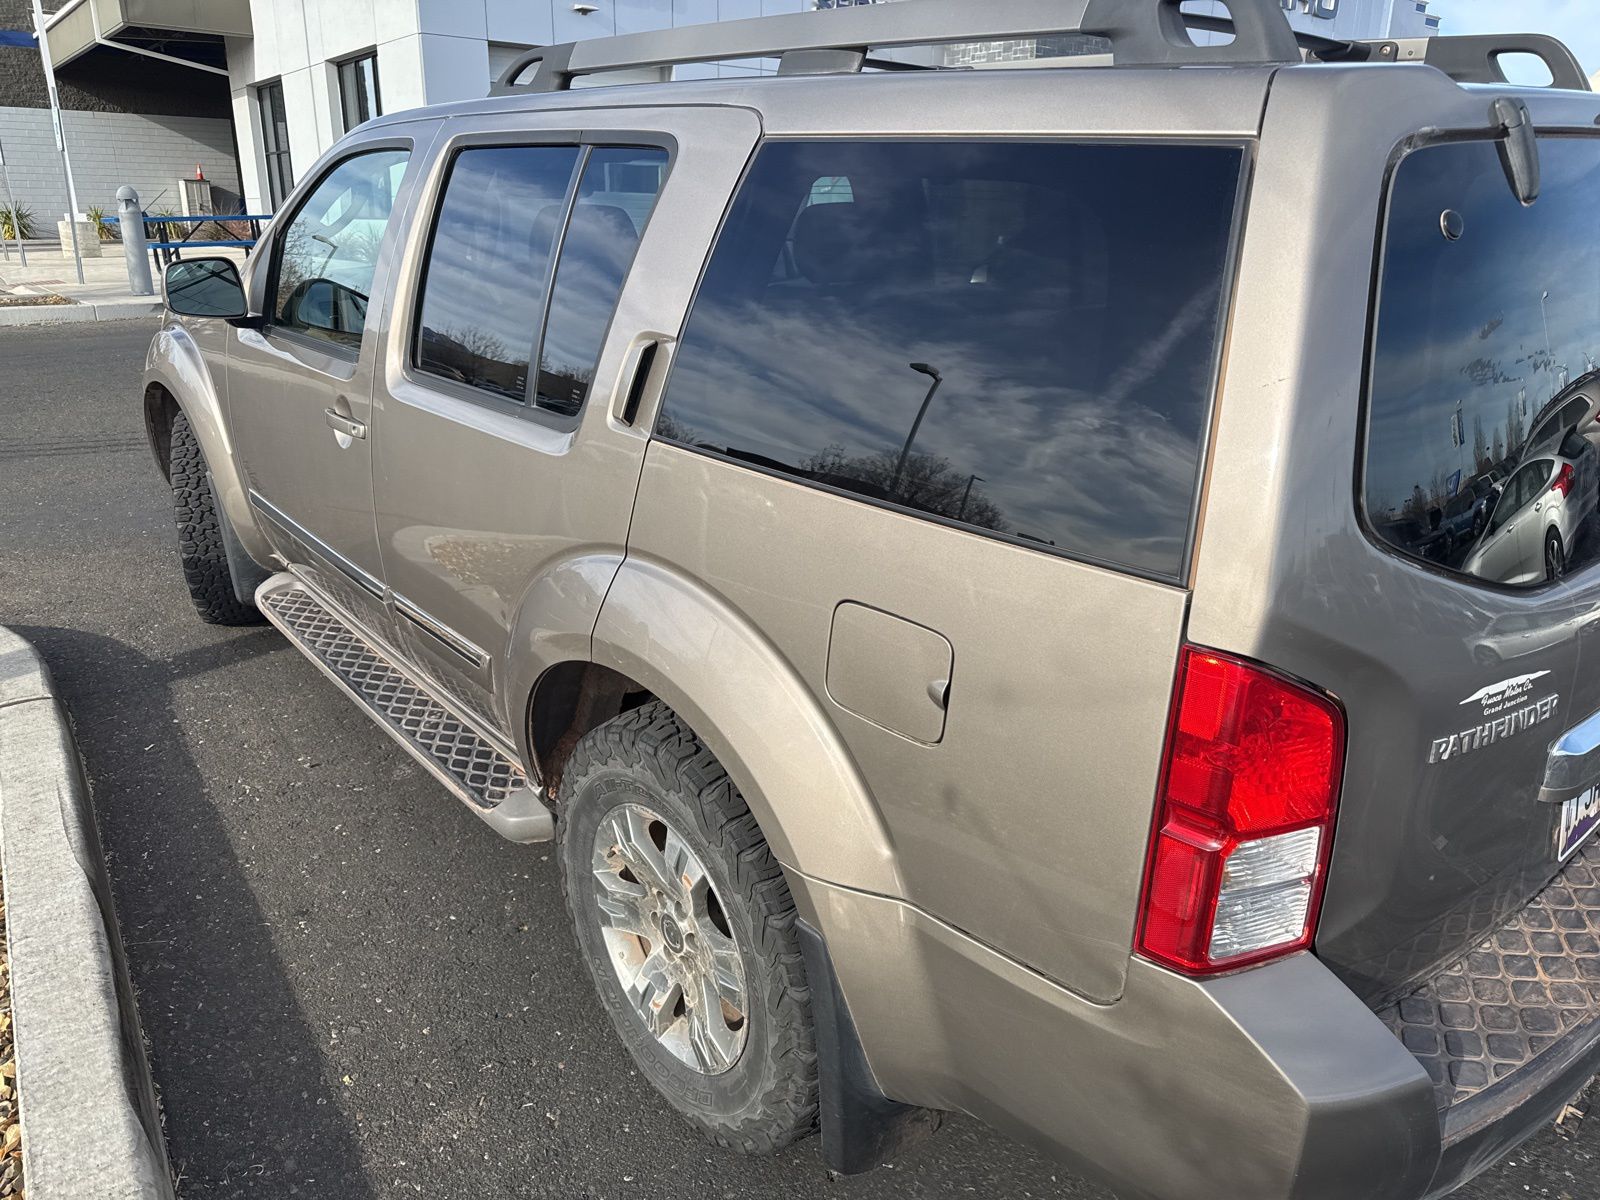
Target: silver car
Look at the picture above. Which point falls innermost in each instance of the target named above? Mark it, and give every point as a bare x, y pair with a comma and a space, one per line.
1538, 518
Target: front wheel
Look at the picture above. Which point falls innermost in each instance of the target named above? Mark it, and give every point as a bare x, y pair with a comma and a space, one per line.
689, 930
201, 545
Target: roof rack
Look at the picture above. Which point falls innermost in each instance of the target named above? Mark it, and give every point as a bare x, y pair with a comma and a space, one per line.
1471, 58
1141, 33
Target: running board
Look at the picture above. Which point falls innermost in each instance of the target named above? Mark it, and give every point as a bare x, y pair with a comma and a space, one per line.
478, 772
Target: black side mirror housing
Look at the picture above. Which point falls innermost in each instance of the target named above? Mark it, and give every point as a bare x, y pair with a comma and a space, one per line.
206, 287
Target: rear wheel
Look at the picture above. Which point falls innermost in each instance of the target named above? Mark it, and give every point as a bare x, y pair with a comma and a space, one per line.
1555, 556
689, 930
200, 536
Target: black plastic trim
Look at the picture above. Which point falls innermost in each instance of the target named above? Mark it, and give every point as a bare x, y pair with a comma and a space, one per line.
1475, 58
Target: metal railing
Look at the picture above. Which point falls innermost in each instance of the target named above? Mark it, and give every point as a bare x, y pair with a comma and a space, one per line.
168, 236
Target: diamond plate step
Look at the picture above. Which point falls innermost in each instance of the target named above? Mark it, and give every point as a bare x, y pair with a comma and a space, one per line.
1521, 994
493, 785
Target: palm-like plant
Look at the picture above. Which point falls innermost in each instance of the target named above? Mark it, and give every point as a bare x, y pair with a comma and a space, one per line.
16, 222
97, 216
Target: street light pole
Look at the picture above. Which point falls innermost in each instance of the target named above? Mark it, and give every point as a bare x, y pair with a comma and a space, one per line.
966, 496
16, 219
1544, 311
61, 136
900, 467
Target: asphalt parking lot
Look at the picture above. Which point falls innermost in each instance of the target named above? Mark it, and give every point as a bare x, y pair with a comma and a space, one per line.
350, 987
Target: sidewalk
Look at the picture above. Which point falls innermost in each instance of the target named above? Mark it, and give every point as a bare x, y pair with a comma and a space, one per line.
103, 296
91, 1125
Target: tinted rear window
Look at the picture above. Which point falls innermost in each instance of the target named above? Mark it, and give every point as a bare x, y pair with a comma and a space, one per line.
1484, 378
1018, 338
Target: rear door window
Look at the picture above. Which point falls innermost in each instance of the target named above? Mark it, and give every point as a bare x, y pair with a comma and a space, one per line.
510, 215
488, 262
1017, 338
615, 199
1486, 358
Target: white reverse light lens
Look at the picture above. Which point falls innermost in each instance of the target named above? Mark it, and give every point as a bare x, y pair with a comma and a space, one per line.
1266, 894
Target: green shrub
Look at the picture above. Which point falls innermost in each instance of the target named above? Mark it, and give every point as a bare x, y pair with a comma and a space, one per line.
17, 222
97, 216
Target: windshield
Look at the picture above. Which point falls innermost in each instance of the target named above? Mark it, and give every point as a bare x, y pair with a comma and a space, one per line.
1487, 354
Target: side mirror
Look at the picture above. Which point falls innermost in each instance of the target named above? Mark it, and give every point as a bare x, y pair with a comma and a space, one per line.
205, 287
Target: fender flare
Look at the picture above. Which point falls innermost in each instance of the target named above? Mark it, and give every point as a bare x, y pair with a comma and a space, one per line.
553, 625
699, 655
176, 364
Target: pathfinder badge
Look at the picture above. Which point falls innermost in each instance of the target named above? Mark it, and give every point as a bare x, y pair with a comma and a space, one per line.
1508, 709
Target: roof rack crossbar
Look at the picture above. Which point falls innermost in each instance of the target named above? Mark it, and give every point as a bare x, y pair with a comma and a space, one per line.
1141, 32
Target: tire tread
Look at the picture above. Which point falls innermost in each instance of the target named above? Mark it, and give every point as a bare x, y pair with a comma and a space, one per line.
655, 739
200, 545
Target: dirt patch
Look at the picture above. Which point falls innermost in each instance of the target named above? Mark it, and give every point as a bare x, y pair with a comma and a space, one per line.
31, 301
10, 1122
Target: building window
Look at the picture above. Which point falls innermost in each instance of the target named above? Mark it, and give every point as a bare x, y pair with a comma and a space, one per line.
275, 143
358, 90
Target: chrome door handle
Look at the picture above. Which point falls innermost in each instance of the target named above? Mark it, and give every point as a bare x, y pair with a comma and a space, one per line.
348, 426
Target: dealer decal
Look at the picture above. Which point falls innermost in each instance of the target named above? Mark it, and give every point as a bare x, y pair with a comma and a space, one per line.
1508, 710
1498, 697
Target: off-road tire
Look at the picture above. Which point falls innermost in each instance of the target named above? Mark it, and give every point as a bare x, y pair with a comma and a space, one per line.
200, 546
768, 1099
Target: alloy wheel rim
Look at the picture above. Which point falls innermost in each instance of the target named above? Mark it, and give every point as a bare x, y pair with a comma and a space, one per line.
668, 939
1554, 559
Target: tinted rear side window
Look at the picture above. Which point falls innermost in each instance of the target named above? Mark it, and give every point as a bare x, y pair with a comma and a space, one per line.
487, 265
1484, 379
615, 199
1019, 338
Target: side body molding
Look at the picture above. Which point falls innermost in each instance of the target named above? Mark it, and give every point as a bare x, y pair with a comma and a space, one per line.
757, 715
180, 360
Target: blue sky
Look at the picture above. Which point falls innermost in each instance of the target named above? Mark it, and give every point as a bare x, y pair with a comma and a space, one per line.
1576, 22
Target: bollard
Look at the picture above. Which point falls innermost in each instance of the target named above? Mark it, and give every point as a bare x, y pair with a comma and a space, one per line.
131, 218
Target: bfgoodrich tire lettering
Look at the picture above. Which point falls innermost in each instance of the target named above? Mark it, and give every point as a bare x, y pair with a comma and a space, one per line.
200, 545
650, 760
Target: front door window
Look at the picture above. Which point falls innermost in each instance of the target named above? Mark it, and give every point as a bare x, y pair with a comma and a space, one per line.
328, 253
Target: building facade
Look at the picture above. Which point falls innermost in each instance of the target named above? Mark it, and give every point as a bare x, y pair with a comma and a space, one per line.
310, 70
1354, 19
127, 119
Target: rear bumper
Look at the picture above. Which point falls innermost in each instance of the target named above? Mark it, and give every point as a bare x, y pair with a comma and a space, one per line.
1512, 1031
1483, 1130
1274, 1084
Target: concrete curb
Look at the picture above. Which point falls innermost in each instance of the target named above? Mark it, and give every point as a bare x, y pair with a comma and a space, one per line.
69, 314
90, 1127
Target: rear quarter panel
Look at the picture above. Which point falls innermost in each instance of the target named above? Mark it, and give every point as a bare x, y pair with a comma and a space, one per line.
1027, 824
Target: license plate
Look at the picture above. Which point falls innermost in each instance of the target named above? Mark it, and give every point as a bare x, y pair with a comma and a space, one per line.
1580, 817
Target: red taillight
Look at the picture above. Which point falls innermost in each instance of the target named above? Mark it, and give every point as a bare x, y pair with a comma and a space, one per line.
1244, 818
1563, 481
